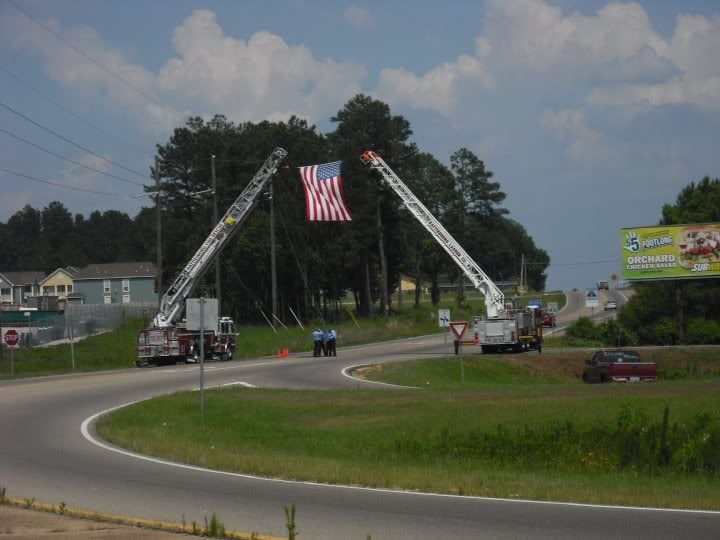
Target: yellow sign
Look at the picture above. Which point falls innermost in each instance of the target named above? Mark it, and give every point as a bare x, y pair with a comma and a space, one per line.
671, 252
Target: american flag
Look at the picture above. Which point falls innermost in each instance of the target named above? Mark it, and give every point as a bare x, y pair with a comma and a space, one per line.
324, 199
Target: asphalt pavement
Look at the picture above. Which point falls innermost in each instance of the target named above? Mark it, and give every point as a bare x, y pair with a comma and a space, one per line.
43, 454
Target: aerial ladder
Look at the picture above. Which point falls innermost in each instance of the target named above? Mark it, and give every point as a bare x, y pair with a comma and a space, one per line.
494, 297
164, 342
173, 301
503, 328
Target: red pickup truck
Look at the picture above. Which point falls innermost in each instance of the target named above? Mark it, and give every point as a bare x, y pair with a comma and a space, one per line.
619, 365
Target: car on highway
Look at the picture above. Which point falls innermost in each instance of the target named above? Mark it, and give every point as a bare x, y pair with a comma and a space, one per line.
603, 285
610, 304
549, 320
618, 365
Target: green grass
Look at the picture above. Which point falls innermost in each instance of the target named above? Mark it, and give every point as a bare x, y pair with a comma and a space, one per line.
110, 350
519, 427
116, 349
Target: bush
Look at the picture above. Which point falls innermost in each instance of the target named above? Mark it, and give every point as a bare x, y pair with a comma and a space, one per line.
665, 331
583, 329
702, 332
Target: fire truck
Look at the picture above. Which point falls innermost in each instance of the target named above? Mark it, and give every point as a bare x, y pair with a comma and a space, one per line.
503, 328
168, 341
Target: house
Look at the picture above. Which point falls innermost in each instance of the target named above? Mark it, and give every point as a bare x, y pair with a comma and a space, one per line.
59, 283
114, 283
16, 287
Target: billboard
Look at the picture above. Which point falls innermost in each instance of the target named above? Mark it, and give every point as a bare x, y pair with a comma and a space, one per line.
671, 252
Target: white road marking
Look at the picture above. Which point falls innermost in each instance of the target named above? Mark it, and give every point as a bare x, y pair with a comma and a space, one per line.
238, 383
345, 372
86, 433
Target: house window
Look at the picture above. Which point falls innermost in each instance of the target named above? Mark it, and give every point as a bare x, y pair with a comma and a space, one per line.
69, 289
107, 299
28, 289
126, 298
106, 286
49, 290
126, 285
4, 292
61, 289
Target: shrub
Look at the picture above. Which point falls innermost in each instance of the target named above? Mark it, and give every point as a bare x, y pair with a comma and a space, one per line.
583, 329
702, 332
665, 331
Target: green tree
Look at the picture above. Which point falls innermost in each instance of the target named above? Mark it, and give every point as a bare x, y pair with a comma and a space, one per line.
649, 311
367, 124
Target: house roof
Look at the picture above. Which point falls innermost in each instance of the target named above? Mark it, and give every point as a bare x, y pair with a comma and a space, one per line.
23, 278
69, 271
117, 270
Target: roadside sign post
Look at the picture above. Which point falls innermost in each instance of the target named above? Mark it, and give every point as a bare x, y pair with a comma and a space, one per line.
196, 311
70, 336
458, 328
11, 340
444, 322
591, 301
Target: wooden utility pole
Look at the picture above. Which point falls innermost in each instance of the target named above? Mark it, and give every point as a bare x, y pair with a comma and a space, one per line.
158, 223
384, 304
273, 269
215, 220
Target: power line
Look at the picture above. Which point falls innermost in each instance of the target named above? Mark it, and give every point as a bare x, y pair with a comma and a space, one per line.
68, 159
61, 185
73, 143
71, 113
84, 54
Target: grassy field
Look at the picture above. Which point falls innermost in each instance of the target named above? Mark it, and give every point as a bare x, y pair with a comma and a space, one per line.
519, 427
110, 350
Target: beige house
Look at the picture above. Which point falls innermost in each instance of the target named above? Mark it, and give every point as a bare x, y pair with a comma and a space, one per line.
407, 284
59, 283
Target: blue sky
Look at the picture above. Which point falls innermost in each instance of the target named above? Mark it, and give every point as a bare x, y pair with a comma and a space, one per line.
591, 114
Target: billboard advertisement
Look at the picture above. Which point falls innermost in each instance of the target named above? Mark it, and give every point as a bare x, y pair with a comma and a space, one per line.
671, 252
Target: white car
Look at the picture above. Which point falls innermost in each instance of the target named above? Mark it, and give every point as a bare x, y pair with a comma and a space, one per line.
610, 304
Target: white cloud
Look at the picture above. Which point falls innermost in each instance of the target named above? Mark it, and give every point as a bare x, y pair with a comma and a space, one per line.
260, 78
438, 88
570, 126
358, 17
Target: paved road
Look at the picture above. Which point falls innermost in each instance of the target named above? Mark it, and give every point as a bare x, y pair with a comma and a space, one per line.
44, 455
575, 307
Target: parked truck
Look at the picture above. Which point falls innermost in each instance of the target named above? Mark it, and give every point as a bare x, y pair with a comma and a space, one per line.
618, 365
168, 341
503, 328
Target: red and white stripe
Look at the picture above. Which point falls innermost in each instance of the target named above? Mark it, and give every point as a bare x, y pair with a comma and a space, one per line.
324, 199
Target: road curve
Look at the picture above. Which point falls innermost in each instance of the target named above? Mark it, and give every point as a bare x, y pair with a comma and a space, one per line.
44, 455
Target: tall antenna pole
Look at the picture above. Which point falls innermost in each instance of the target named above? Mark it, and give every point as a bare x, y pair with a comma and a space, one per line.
215, 220
273, 269
158, 224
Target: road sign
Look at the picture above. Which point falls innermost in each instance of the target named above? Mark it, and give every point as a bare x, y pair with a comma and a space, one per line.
12, 338
458, 328
552, 307
591, 298
192, 314
444, 318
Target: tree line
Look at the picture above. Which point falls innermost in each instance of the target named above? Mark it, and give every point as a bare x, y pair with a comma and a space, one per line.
317, 262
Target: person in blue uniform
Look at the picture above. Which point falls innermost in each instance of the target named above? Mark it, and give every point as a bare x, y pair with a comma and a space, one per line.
317, 336
331, 337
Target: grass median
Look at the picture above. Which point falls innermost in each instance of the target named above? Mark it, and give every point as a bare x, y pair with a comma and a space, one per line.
514, 429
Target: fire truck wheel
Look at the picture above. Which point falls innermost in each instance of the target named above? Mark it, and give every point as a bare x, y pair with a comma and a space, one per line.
227, 355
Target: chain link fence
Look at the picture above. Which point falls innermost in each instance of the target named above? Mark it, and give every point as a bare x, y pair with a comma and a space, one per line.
79, 321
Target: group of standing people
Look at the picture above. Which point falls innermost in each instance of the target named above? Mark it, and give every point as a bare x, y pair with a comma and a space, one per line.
324, 342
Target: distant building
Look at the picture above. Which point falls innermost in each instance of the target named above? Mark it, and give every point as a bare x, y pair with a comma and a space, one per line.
59, 283
17, 287
114, 283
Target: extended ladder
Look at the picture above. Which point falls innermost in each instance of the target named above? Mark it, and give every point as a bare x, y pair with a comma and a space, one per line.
494, 298
172, 302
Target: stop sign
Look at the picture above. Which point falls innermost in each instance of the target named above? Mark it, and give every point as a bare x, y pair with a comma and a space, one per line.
12, 338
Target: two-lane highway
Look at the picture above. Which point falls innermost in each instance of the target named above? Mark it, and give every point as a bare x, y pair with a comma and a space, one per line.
43, 454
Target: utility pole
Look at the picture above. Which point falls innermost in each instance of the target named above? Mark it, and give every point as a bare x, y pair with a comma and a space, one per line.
273, 270
159, 233
215, 220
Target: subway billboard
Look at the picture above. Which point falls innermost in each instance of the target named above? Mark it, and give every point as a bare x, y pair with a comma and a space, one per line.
671, 252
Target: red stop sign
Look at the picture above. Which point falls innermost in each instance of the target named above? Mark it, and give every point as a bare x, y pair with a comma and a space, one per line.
11, 338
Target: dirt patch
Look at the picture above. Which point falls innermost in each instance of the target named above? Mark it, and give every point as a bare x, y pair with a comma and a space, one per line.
366, 372
22, 523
